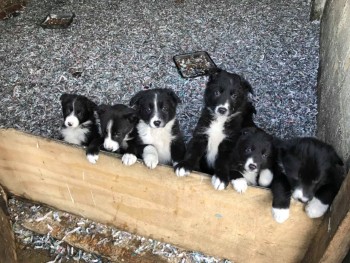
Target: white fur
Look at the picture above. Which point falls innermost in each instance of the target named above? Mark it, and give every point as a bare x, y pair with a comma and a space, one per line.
129, 159
109, 144
216, 135
160, 138
315, 208
76, 135
226, 105
182, 172
280, 214
72, 120
265, 177
92, 158
155, 116
216, 182
150, 156
248, 174
298, 195
240, 185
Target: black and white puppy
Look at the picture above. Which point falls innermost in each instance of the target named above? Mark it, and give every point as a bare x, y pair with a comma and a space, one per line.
226, 110
79, 125
117, 122
252, 160
310, 173
158, 138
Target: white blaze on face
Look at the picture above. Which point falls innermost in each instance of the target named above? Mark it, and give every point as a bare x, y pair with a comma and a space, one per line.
155, 116
109, 144
299, 195
72, 120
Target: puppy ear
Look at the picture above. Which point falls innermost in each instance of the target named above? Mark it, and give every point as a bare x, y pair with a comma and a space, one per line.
213, 73
92, 105
246, 85
136, 98
174, 97
132, 117
102, 109
64, 97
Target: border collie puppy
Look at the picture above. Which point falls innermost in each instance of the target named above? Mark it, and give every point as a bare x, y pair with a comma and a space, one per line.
158, 138
309, 173
79, 125
226, 110
116, 124
252, 160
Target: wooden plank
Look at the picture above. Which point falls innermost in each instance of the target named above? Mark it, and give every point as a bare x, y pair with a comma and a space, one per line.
332, 241
7, 239
186, 212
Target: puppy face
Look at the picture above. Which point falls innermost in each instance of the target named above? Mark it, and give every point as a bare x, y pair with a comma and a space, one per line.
226, 92
76, 109
307, 163
255, 149
117, 122
156, 107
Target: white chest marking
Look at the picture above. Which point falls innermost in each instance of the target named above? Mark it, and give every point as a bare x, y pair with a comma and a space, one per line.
160, 138
216, 135
75, 135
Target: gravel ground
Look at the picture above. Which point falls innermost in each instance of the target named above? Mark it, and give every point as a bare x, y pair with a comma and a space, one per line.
115, 48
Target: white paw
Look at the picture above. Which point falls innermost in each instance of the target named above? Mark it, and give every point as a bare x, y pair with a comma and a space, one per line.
151, 160
129, 159
182, 172
216, 182
92, 158
265, 177
110, 145
240, 185
280, 214
315, 208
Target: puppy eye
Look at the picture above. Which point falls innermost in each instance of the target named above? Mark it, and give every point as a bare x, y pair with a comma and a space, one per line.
165, 108
264, 155
248, 150
217, 93
148, 109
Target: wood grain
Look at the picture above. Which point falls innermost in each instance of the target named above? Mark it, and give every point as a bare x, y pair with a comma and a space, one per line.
186, 212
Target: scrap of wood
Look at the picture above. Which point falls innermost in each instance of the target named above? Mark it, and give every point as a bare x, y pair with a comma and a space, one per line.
90, 243
186, 212
7, 240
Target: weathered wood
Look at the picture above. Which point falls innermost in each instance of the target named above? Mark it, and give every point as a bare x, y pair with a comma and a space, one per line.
332, 241
7, 240
186, 212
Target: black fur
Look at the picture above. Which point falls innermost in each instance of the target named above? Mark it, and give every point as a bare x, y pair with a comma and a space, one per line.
310, 165
79, 126
157, 124
122, 120
226, 98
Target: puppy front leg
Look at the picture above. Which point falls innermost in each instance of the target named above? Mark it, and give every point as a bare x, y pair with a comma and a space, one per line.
281, 194
93, 149
239, 183
150, 156
319, 204
131, 153
195, 151
178, 151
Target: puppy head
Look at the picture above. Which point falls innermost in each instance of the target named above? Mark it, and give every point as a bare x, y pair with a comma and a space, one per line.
255, 149
226, 92
308, 164
117, 122
156, 107
76, 109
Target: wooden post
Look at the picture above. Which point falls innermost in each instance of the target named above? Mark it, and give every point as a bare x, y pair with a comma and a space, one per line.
186, 212
7, 240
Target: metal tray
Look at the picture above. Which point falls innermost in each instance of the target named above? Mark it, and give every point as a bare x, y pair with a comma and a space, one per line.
57, 21
194, 64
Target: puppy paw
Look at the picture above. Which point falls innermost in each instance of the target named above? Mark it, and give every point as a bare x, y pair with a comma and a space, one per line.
280, 214
315, 208
240, 185
92, 158
129, 159
217, 183
182, 169
111, 145
151, 160
265, 177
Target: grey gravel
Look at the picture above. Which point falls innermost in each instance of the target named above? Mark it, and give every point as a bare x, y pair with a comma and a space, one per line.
115, 48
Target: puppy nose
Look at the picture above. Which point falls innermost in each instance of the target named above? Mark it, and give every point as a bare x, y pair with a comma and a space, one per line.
70, 124
222, 110
252, 166
156, 123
